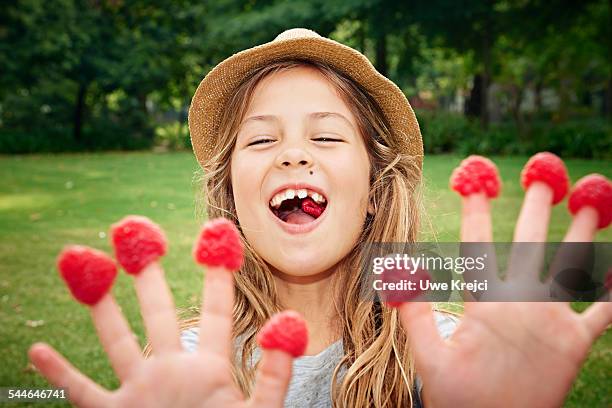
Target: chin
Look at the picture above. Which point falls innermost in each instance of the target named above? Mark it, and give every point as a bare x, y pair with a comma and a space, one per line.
304, 264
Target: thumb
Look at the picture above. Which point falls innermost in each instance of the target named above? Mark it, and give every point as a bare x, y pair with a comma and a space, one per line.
283, 337
418, 322
272, 379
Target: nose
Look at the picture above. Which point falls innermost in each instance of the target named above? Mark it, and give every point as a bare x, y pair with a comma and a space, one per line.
294, 157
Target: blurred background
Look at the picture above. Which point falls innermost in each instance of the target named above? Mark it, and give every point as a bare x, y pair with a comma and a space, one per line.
94, 98
486, 76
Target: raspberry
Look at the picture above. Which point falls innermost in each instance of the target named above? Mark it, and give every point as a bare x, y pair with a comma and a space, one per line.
285, 331
138, 241
550, 169
395, 297
311, 208
219, 245
596, 191
89, 273
476, 174
608, 279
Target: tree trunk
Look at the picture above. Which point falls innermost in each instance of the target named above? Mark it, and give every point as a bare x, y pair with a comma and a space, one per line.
79, 111
472, 106
517, 99
381, 53
362, 36
607, 105
486, 75
538, 97
142, 102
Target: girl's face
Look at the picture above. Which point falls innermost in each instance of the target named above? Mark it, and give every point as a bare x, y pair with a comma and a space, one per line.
299, 134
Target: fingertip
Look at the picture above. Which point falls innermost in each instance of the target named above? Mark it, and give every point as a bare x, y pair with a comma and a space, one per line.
38, 352
41, 356
277, 362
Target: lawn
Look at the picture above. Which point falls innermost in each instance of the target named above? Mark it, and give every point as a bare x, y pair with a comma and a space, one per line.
49, 201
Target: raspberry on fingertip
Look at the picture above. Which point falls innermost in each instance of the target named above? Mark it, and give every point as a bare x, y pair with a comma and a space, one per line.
138, 242
549, 169
219, 245
476, 174
88, 272
285, 331
595, 191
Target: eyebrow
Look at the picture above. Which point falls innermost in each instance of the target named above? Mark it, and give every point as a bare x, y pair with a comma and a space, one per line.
311, 116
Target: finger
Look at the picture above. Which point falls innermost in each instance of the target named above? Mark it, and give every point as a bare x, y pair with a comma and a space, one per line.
532, 227
576, 251
81, 390
157, 309
597, 318
532, 223
216, 320
116, 337
477, 238
417, 319
476, 219
584, 226
272, 379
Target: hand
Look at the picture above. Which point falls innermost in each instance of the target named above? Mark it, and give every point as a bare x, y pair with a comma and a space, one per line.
171, 377
507, 354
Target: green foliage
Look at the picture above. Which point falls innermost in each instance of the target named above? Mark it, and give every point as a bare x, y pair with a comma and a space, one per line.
173, 136
450, 132
90, 75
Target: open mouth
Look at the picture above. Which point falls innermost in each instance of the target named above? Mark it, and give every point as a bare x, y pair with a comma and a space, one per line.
298, 206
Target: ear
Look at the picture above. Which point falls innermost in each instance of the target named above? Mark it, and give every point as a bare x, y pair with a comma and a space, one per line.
370, 209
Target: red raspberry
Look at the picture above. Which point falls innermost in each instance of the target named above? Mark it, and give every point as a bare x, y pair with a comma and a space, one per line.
608, 279
596, 191
89, 273
138, 241
476, 174
311, 208
395, 297
550, 169
219, 245
285, 331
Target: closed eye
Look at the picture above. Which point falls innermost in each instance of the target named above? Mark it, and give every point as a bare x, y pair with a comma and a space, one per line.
260, 141
327, 139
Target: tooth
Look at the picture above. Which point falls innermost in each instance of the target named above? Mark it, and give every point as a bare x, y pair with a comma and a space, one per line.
302, 193
278, 199
290, 194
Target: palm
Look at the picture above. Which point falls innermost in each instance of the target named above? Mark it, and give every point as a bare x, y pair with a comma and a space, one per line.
514, 353
526, 358
180, 379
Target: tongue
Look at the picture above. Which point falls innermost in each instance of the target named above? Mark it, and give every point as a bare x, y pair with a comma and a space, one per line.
299, 217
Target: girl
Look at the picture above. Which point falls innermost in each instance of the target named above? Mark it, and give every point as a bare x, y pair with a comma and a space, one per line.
306, 116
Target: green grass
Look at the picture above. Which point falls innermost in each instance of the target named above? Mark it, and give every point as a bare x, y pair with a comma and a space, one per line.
49, 201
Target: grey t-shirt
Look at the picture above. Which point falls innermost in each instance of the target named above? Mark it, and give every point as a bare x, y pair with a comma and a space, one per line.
314, 373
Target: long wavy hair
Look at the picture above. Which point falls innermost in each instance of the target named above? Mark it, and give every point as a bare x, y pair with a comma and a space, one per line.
379, 370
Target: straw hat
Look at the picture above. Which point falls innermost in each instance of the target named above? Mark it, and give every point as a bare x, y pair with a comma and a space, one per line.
216, 88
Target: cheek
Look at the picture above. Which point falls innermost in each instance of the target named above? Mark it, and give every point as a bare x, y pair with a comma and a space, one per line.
352, 173
246, 183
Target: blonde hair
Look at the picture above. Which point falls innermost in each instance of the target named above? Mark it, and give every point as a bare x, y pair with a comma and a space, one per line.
378, 362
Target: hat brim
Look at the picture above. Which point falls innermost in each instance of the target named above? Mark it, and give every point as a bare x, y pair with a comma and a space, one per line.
217, 87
